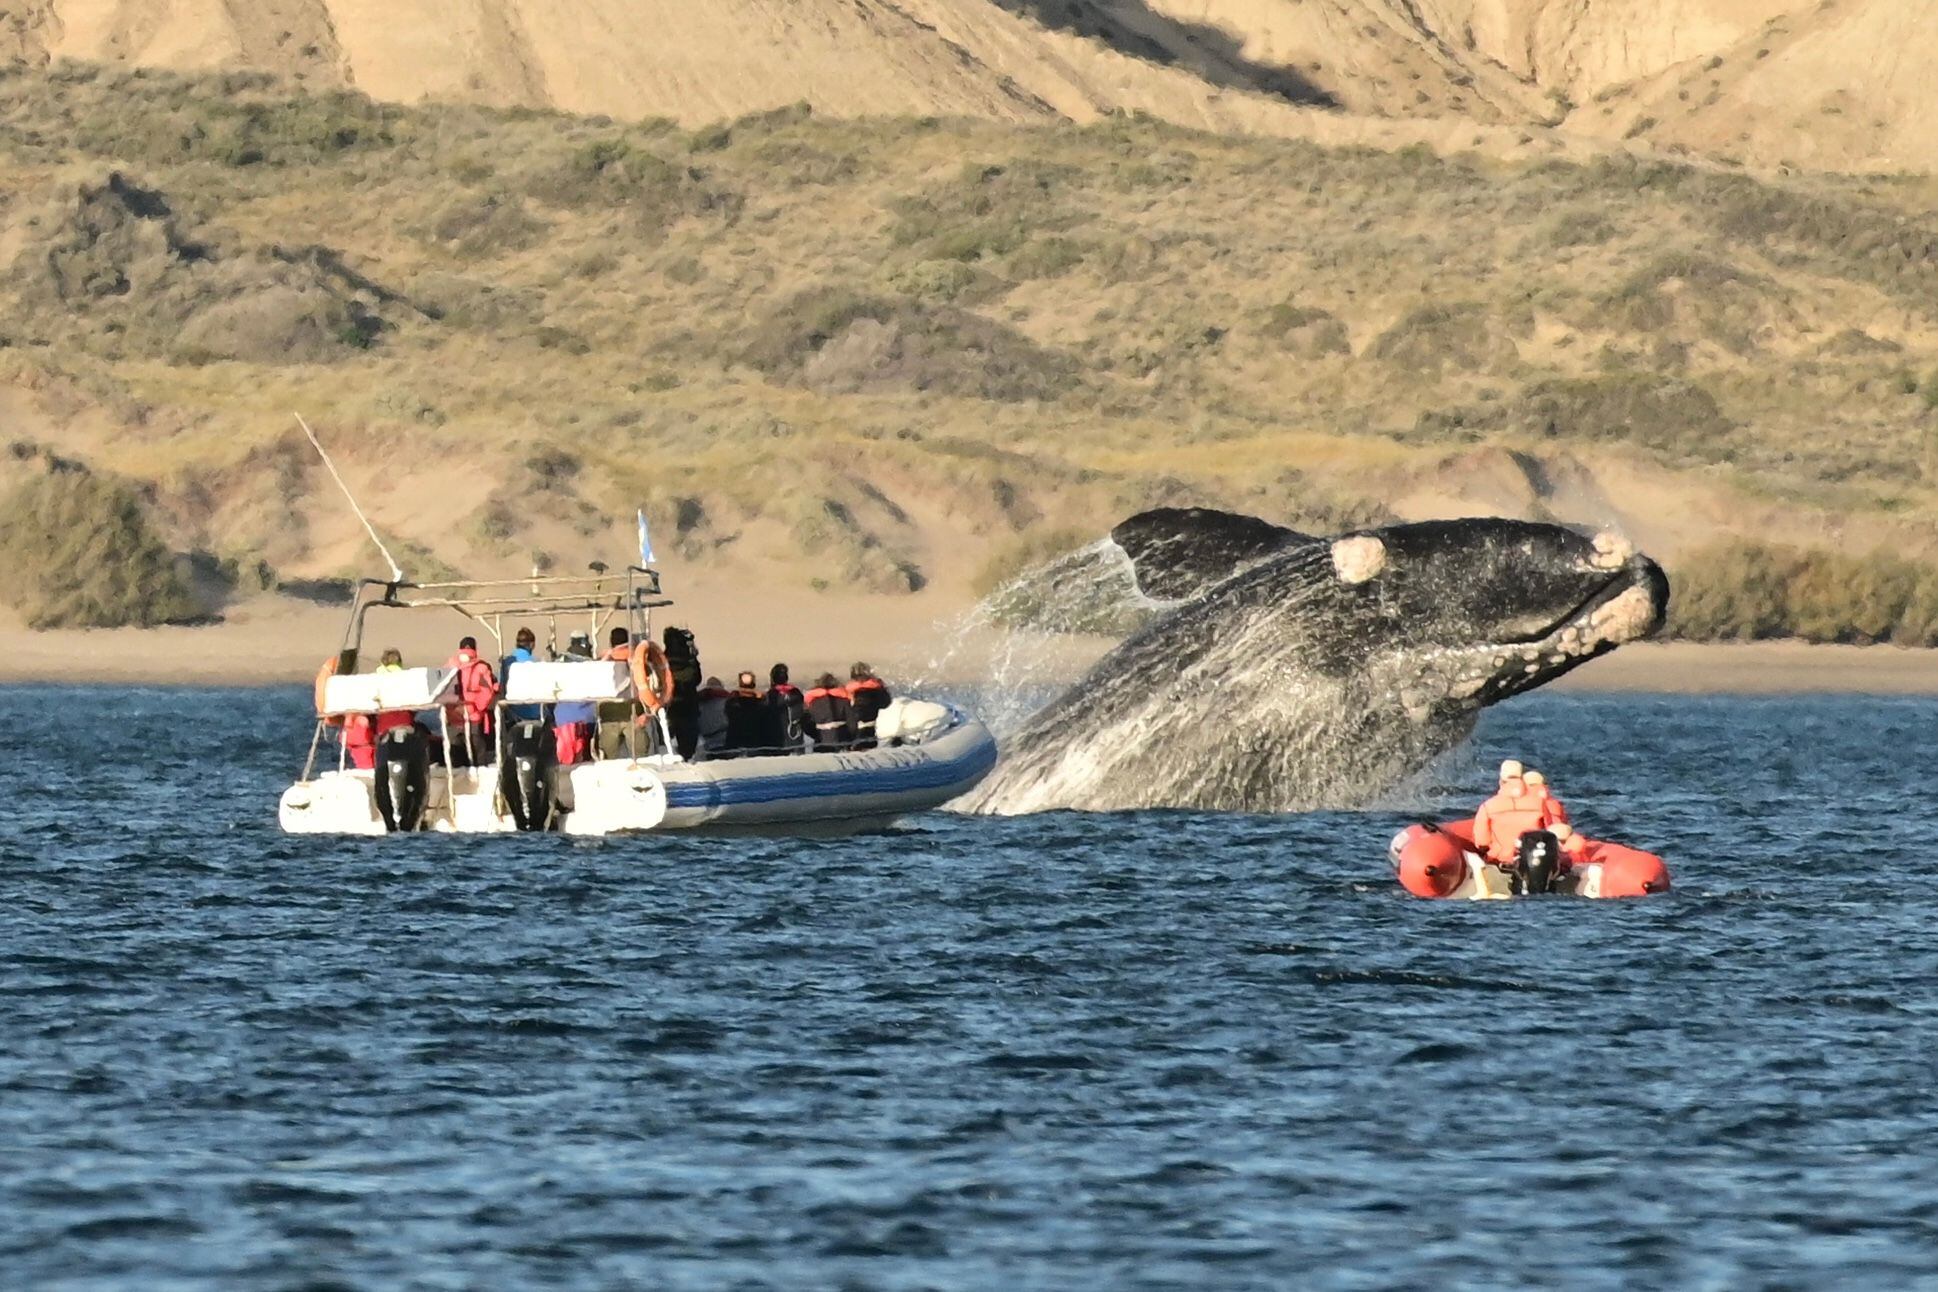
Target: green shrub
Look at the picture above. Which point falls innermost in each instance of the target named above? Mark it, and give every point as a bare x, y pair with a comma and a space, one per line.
77, 551
837, 340
618, 171
283, 131
984, 211
1307, 332
1743, 591
1723, 303
1577, 228
481, 225
1659, 412
1046, 257
1435, 337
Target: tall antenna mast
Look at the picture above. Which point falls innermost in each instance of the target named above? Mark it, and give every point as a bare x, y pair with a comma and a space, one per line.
396, 571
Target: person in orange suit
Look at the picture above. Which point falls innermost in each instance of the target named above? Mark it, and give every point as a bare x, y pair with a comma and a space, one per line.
1574, 848
1538, 786
1509, 814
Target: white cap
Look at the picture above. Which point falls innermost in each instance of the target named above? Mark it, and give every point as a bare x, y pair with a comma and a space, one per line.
1533, 777
1510, 769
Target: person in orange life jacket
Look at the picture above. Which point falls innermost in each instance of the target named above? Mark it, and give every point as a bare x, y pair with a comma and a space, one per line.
619, 737
746, 718
1538, 786
572, 723
522, 653
1508, 815
786, 712
1574, 848
830, 716
869, 697
711, 718
468, 720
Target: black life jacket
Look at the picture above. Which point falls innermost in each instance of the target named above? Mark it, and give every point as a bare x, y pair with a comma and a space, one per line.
787, 710
746, 720
683, 661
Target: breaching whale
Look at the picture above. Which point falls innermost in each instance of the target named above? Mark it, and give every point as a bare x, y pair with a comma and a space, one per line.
1287, 672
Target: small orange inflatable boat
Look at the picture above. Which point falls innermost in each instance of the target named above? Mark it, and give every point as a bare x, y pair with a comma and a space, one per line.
1442, 861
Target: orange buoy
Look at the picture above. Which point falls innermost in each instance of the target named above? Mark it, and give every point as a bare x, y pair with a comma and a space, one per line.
652, 677
1630, 872
323, 676
1429, 863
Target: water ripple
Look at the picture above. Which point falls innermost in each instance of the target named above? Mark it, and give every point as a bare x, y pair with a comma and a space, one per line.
1145, 1051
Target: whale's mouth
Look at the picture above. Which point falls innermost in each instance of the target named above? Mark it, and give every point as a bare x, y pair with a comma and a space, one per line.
1629, 606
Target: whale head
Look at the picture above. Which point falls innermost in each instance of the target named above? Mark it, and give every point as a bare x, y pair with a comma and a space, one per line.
1465, 613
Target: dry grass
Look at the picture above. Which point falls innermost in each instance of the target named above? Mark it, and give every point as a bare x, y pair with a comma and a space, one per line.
77, 550
879, 351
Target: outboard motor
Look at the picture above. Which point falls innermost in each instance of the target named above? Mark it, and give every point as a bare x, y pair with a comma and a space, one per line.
525, 780
1538, 858
403, 778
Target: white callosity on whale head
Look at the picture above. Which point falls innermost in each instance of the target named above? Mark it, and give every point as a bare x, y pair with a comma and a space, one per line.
1358, 557
1627, 617
1612, 551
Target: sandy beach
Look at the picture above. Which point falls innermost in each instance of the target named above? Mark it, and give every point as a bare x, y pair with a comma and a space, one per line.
277, 641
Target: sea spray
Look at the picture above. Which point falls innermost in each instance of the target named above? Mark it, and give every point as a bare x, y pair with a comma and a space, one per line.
1019, 647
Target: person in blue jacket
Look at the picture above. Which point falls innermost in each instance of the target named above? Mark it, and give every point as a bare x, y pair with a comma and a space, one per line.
521, 654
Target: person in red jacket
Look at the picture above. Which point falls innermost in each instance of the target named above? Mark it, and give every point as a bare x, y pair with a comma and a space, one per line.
1508, 815
468, 720
361, 731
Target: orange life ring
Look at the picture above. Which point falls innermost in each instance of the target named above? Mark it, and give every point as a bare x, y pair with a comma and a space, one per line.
323, 676
652, 677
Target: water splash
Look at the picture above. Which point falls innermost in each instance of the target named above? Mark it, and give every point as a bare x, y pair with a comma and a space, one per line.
1227, 719
1028, 640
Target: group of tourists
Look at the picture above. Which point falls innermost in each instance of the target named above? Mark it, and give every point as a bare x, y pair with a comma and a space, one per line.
783, 719
703, 718
1523, 808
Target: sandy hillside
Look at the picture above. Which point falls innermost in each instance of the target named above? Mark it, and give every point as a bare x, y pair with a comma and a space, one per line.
1770, 81
1830, 86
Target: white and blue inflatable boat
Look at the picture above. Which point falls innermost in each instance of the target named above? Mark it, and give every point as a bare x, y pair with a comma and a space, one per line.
848, 790
395, 771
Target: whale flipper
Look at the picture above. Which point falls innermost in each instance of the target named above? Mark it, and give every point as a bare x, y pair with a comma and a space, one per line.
1178, 552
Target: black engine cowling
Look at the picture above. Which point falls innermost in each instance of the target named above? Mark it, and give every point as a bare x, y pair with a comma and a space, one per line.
1538, 858
525, 780
403, 778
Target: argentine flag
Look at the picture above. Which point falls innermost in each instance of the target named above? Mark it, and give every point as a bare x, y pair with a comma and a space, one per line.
645, 541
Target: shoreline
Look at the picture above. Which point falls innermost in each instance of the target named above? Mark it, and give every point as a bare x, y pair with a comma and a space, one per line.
276, 642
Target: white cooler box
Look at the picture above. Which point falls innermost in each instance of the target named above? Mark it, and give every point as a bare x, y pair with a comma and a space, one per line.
537, 682
411, 688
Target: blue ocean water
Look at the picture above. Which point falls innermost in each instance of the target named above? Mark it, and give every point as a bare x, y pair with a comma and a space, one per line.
1149, 1051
